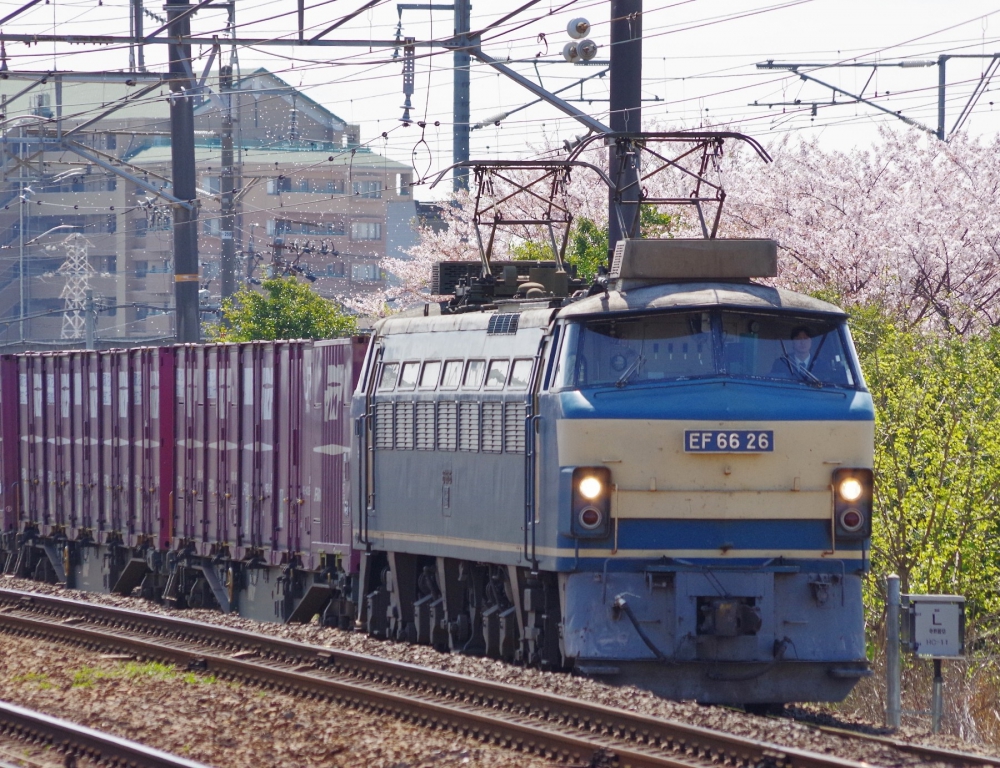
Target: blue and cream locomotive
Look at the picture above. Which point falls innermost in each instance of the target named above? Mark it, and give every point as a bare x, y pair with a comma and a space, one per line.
665, 480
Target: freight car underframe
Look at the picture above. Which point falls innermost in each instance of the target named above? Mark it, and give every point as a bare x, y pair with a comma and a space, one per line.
181, 578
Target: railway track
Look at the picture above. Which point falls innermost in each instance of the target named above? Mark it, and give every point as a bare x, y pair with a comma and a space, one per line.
563, 729
41, 735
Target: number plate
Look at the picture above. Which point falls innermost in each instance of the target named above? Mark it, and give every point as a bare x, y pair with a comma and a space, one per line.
728, 441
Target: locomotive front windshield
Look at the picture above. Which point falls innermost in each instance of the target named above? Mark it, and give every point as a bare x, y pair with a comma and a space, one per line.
674, 346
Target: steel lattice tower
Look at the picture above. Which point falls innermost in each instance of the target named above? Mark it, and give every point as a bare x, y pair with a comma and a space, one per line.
77, 271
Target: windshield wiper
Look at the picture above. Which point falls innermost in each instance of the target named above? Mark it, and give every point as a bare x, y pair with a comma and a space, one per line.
629, 372
806, 375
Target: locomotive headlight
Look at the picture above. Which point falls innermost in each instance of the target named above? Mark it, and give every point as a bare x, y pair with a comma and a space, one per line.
850, 489
590, 487
852, 503
590, 502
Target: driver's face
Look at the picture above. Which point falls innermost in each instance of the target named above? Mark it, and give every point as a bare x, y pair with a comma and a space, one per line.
801, 343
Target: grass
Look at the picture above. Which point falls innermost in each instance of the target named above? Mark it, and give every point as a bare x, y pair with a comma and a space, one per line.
35, 677
85, 677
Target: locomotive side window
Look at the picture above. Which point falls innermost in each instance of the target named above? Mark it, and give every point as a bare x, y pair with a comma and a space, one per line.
474, 374
497, 375
452, 374
520, 375
390, 372
408, 377
429, 377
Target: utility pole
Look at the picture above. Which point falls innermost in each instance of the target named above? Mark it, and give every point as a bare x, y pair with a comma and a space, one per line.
183, 171
460, 126
90, 319
626, 109
227, 185
135, 9
941, 85
21, 224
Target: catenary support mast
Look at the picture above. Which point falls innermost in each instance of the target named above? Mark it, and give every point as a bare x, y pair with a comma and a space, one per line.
186, 278
460, 124
626, 104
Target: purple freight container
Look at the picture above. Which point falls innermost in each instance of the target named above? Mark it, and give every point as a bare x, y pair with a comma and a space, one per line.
31, 397
86, 453
9, 443
258, 456
190, 521
332, 371
144, 445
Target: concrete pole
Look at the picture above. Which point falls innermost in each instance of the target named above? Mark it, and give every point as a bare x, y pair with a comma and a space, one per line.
893, 707
186, 275
626, 109
226, 186
460, 124
941, 90
90, 319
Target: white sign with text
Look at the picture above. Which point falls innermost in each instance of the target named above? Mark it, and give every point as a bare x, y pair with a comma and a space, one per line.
937, 627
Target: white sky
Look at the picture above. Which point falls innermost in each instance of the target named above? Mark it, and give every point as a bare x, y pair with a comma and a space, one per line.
699, 62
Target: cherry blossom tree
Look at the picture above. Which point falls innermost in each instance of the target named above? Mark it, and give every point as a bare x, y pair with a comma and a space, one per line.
910, 223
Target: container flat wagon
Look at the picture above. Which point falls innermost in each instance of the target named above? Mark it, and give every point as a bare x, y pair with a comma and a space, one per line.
203, 475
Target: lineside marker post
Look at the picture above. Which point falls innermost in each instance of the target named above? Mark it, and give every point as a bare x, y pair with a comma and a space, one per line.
893, 704
936, 630
937, 702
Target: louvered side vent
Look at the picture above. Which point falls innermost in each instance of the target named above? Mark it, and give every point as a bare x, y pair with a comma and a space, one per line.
493, 427
404, 426
383, 426
447, 427
468, 427
425, 427
513, 427
503, 325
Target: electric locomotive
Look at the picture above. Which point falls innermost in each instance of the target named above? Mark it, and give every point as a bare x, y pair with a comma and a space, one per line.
664, 481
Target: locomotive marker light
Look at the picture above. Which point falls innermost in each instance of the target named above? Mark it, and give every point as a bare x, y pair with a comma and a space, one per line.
852, 506
591, 502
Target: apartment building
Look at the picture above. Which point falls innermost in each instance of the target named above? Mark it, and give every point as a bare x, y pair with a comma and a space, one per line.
312, 195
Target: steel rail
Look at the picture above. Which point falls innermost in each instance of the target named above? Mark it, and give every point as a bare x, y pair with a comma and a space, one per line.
922, 750
517, 717
77, 741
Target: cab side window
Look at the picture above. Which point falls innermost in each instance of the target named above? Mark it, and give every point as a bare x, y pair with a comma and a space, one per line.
497, 375
520, 375
452, 374
429, 377
390, 372
408, 376
474, 374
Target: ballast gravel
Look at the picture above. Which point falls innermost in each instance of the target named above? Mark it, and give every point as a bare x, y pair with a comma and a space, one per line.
221, 723
787, 732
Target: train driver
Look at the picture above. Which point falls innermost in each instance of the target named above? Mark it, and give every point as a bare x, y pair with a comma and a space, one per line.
797, 362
